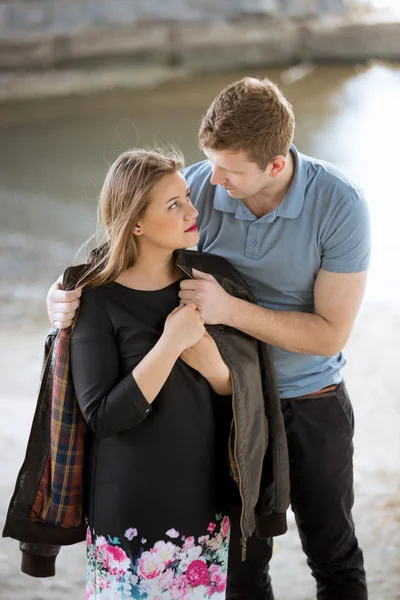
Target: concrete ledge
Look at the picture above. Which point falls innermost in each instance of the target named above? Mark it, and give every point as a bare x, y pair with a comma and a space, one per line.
242, 42
146, 54
234, 45
341, 40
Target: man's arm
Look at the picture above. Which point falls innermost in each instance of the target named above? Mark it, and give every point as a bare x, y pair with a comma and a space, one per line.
337, 299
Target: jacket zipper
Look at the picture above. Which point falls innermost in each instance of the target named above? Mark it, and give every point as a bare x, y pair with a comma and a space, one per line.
243, 542
275, 430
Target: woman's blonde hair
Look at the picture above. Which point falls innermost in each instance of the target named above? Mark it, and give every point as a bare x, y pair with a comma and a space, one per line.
123, 200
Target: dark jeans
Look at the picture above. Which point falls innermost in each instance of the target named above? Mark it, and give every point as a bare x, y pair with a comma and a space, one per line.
319, 432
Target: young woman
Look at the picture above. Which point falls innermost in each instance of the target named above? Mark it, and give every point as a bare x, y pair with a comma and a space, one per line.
150, 383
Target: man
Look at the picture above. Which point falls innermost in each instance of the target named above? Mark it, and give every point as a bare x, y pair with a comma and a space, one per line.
298, 232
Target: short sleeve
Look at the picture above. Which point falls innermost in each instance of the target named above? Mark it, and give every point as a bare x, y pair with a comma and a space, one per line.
346, 246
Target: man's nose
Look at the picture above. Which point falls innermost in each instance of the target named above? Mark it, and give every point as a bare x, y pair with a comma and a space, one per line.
217, 176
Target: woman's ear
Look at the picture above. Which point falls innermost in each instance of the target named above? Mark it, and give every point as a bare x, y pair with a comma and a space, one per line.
137, 230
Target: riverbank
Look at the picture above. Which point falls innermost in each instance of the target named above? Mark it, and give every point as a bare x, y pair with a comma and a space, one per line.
144, 55
372, 379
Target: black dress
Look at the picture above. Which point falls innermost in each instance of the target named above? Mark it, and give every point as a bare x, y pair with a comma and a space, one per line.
155, 474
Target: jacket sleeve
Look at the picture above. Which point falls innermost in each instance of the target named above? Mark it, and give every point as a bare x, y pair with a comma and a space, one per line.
38, 560
109, 401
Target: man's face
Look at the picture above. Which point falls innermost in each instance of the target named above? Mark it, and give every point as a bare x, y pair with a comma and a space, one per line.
236, 173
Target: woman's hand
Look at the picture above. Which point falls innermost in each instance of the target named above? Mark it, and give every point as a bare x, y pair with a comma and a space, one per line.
204, 356
183, 327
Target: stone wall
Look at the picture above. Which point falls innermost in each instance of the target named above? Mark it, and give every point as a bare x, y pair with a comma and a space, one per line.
179, 37
66, 16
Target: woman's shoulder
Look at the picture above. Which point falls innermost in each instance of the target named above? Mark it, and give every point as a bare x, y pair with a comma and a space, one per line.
94, 313
94, 295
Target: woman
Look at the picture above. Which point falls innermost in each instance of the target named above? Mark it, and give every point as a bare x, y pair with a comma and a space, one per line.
148, 380
165, 412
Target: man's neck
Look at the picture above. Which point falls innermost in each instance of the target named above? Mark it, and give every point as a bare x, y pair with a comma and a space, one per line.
269, 198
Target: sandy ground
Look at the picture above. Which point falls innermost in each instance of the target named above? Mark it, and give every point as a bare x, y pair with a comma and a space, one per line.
373, 380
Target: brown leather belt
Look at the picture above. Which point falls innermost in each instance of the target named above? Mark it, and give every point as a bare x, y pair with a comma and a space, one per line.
327, 391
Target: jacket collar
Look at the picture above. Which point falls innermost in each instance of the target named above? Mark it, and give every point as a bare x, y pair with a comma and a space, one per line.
73, 273
186, 260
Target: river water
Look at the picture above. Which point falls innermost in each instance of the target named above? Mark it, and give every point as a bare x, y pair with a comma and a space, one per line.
54, 156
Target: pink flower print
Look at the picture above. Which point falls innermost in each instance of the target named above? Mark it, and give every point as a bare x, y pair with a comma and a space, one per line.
89, 593
103, 583
165, 550
189, 542
101, 546
203, 539
101, 542
215, 542
166, 580
129, 580
225, 526
172, 533
211, 527
179, 590
197, 573
194, 553
217, 578
130, 533
150, 565
88, 537
115, 560
183, 565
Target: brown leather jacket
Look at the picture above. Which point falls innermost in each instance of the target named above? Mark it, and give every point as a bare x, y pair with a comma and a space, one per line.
257, 445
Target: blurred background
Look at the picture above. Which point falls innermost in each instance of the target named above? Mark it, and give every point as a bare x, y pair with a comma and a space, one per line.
82, 81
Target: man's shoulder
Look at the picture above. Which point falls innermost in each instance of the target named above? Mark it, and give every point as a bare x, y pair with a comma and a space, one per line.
199, 171
198, 180
328, 176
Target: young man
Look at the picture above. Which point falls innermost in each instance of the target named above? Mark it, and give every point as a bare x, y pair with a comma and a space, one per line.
298, 231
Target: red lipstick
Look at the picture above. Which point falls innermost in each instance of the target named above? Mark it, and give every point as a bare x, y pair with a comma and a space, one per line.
192, 228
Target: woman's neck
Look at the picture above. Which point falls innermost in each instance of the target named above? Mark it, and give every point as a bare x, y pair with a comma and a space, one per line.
152, 271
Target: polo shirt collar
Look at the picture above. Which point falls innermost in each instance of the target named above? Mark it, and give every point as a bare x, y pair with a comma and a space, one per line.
223, 201
292, 204
290, 207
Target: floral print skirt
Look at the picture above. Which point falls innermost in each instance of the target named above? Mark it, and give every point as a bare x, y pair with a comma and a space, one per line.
178, 567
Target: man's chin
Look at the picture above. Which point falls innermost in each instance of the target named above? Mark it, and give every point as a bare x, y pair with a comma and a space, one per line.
234, 193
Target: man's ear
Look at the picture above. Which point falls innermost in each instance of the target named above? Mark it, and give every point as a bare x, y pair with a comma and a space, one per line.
277, 166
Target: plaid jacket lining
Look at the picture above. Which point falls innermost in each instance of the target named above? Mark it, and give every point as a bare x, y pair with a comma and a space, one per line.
59, 499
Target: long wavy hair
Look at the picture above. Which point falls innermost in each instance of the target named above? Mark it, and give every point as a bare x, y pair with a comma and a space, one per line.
123, 200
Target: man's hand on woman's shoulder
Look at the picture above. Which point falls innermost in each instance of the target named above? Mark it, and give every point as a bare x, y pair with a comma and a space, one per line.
62, 305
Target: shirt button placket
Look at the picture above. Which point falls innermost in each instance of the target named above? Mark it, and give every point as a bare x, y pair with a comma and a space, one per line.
252, 242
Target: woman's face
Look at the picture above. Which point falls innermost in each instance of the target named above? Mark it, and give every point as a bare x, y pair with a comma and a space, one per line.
170, 218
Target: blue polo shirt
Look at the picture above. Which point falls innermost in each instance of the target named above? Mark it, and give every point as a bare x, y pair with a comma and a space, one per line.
322, 222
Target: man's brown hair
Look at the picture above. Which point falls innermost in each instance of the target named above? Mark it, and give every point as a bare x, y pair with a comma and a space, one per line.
250, 115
